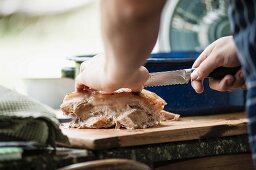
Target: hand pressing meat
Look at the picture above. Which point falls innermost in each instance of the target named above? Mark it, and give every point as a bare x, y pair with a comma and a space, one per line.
92, 109
129, 33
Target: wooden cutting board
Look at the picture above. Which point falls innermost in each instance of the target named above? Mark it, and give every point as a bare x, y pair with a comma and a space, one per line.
187, 128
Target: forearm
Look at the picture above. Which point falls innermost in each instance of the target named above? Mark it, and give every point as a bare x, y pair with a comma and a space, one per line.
130, 30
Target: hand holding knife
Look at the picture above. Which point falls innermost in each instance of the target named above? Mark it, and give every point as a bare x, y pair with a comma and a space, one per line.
183, 76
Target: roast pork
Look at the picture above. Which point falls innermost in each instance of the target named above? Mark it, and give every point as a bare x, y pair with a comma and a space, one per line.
92, 109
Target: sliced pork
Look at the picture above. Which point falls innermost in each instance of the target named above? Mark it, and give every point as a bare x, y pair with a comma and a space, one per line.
92, 109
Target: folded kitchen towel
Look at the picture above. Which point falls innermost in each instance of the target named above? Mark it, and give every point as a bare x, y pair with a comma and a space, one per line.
22, 118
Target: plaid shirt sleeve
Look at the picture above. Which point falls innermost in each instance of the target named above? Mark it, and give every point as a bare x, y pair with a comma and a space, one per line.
243, 24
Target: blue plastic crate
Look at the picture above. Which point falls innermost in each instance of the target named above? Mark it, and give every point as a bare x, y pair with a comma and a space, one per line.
183, 99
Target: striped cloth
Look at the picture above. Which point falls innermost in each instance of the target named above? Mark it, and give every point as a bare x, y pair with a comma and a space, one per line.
24, 119
243, 24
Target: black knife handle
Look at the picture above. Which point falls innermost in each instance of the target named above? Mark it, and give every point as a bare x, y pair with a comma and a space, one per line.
221, 72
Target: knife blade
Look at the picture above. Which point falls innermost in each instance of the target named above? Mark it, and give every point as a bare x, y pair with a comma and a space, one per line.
183, 76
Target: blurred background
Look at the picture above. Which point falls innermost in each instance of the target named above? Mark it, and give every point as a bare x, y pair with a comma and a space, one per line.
37, 37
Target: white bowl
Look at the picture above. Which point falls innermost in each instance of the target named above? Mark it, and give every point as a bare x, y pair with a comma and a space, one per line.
49, 91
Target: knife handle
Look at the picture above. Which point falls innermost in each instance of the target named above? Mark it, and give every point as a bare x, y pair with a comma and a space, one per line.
221, 72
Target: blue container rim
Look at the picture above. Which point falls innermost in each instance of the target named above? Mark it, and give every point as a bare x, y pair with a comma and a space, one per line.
179, 56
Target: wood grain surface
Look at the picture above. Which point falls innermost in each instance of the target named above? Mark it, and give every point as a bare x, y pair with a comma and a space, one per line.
187, 128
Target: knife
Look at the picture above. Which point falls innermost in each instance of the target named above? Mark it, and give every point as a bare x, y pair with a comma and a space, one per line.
183, 76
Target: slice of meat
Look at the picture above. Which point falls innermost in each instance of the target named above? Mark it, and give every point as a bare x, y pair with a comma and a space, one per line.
168, 116
135, 118
93, 122
92, 109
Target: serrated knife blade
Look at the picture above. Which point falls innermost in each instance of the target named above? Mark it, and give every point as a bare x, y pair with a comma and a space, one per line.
183, 76
169, 77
